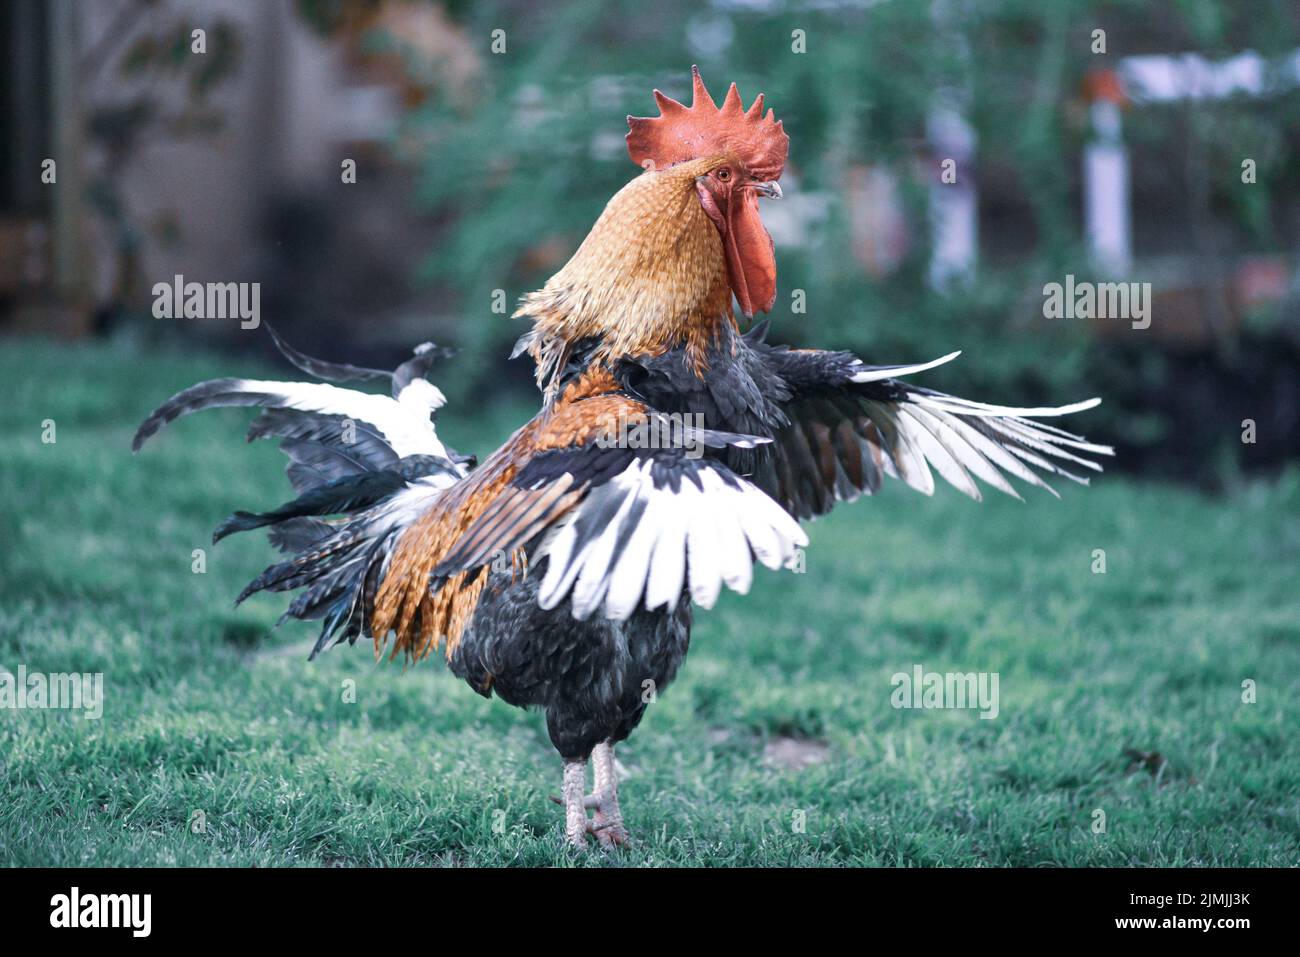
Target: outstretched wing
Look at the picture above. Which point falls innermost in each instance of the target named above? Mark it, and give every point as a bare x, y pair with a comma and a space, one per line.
618, 528
329, 433
621, 528
850, 424
365, 468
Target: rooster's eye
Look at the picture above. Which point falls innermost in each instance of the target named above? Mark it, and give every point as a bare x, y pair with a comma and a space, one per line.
724, 174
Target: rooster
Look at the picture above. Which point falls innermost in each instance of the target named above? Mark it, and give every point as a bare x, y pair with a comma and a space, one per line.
561, 573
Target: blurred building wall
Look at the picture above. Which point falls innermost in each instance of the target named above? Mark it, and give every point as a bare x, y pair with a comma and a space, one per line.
198, 187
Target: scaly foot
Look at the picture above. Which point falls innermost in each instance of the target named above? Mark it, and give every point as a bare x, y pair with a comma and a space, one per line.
575, 814
608, 826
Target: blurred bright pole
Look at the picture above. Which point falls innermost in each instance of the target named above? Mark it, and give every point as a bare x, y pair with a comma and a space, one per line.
1107, 222
953, 203
954, 225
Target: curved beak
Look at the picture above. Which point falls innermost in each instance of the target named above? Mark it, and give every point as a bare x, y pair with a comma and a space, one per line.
751, 258
771, 190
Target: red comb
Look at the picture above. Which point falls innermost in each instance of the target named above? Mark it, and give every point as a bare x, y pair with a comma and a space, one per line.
681, 133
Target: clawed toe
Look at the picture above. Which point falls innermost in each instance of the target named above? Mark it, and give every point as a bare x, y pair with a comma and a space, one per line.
611, 835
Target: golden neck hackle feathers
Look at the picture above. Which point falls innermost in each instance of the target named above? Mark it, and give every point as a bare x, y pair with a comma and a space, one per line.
650, 276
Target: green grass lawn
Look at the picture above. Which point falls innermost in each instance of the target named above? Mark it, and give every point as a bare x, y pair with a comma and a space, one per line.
208, 709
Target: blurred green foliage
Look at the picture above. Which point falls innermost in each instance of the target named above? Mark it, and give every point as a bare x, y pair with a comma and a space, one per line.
528, 162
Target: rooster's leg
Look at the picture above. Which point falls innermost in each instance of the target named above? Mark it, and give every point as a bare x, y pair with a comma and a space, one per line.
609, 827
575, 815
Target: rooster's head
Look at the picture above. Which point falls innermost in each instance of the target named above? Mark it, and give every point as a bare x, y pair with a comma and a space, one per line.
659, 267
739, 154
